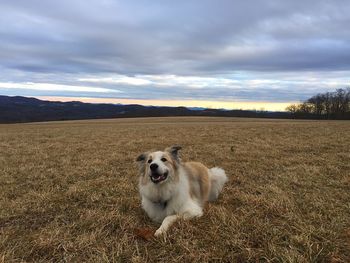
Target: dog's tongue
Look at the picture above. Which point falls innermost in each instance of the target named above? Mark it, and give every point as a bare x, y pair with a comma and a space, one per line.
157, 177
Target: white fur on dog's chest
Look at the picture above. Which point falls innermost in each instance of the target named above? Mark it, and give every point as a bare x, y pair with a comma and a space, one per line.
157, 193
174, 193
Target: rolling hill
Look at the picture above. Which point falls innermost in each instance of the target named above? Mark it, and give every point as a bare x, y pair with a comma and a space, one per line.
23, 109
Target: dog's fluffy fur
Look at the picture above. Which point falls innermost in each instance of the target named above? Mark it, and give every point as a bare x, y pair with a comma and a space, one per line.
171, 189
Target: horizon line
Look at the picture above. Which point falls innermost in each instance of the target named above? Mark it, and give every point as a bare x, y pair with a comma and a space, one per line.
227, 105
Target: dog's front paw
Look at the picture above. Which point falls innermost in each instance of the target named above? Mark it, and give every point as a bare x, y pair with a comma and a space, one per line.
160, 231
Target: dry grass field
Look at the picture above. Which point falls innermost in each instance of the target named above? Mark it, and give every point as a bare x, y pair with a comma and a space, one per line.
68, 191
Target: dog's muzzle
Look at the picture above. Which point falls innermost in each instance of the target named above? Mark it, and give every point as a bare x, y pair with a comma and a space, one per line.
157, 178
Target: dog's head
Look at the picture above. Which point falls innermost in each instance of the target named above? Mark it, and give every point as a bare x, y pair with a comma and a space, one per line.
159, 166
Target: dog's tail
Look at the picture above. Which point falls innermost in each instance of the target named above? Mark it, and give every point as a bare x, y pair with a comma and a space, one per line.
217, 178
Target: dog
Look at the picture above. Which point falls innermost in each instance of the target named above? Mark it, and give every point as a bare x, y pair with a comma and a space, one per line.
171, 189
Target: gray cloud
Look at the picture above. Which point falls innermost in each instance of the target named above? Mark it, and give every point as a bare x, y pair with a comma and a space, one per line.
43, 40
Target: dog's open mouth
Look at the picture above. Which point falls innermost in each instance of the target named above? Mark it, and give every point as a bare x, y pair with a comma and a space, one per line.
157, 178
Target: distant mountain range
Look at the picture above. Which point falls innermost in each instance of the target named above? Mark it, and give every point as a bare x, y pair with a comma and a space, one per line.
23, 109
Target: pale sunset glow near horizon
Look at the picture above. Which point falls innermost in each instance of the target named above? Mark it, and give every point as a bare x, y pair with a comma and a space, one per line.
213, 54
248, 105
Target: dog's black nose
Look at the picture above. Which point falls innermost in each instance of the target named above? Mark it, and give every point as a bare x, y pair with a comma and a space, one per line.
153, 166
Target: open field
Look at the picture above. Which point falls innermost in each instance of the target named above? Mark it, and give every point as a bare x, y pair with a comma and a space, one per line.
68, 191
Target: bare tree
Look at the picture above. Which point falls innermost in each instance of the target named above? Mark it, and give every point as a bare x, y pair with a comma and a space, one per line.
330, 105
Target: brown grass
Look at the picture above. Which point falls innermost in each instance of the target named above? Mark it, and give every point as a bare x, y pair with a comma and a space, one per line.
68, 191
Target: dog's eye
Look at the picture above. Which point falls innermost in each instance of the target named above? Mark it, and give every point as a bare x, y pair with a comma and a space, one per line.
163, 159
149, 161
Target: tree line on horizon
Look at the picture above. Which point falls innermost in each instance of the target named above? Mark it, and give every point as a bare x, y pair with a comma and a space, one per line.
330, 105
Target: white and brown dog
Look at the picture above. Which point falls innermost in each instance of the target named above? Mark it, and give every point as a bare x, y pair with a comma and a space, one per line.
171, 189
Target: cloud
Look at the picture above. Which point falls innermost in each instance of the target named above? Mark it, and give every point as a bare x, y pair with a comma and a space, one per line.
240, 87
227, 50
118, 79
53, 87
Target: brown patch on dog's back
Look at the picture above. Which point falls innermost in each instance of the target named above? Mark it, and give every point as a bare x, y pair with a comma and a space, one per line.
199, 180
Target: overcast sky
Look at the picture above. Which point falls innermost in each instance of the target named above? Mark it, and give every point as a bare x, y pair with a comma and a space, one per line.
241, 51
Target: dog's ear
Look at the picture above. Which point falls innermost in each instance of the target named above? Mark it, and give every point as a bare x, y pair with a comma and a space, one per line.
141, 160
173, 150
142, 157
